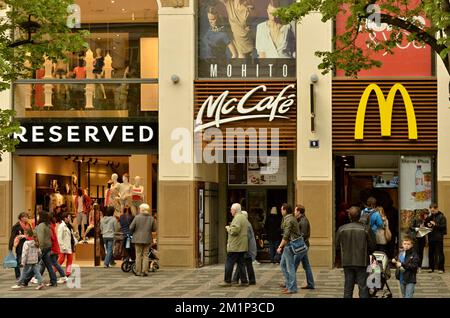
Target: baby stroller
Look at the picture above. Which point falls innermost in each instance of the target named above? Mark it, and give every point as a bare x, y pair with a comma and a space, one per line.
129, 259
379, 264
152, 258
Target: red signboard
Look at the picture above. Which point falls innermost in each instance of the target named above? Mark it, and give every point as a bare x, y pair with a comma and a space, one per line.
409, 59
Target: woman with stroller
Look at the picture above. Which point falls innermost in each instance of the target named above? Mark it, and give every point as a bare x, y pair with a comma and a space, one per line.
141, 228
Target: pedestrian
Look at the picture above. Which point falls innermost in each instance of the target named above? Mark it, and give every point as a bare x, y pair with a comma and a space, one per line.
273, 229
438, 224
371, 217
407, 265
44, 234
107, 227
141, 228
125, 221
305, 231
66, 242
249, 256
237, 246
55, 251
355, 244
291, 231
18, 238
420, 241
30, 260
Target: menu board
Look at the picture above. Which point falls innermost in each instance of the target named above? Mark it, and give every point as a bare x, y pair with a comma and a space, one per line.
260, 173
273, 176
416, 181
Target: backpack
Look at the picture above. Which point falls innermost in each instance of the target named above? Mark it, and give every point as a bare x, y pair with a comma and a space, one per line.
364, 219
366, 215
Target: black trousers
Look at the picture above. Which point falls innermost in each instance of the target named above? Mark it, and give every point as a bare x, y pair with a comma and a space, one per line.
233, 258
355, 275
250, 272
420, 245
436, 255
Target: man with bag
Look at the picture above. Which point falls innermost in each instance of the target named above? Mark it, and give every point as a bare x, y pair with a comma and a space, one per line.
305, 231
291, 231
355, 244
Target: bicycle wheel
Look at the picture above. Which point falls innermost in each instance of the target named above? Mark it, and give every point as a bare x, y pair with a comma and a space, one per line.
133, 268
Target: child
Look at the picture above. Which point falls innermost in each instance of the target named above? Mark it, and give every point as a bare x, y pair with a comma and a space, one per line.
407, 264
30, 260
66, 243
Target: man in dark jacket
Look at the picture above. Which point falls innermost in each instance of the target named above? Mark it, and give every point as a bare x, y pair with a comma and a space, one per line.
438, 223
305, 231
355, 243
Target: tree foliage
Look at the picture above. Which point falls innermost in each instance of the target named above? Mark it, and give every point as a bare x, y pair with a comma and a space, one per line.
52, 38
400, 15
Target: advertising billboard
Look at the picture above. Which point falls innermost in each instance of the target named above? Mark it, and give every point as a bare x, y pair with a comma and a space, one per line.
405, 53
242, 39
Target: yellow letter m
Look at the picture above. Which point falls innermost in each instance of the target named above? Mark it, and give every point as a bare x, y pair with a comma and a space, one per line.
385, 110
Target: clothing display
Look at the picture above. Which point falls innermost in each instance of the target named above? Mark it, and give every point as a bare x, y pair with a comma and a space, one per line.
56, 199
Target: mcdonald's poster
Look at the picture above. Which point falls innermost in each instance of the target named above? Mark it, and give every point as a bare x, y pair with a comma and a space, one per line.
243, 39
416, 186
405, 54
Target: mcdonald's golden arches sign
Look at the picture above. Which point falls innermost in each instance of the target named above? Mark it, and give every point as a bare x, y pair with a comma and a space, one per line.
385, 114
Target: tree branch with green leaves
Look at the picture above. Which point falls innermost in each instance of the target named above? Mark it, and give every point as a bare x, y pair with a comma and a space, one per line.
400, 15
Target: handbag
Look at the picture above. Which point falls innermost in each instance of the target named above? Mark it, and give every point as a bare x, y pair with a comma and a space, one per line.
381, 237
10, 260
388, 234
298, 245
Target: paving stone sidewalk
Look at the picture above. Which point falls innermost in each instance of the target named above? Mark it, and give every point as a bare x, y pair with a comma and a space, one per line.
203, 283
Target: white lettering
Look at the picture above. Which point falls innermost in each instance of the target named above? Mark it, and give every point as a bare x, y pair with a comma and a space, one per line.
213, 70
91, 133
285, 70
244, 70
126, 133
182, 150
21, 135
270, 70
277, 105
55, 131
257, 70
229, 70
142, 136
36, 132
72, 132
109, 135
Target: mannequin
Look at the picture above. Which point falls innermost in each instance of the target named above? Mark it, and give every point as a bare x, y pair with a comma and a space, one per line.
137, 195
99, 62
56, 199
125, 192
114, 194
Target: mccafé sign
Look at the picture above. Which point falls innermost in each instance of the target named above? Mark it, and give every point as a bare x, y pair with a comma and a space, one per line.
256, 104
385, 106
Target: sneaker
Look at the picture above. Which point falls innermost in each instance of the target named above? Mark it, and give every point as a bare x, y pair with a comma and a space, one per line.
255, 262
40, 286
62, 280
18, 286
441, 272
34, 281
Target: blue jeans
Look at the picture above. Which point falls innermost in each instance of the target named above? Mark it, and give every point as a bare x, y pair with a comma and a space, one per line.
46, 262
288, 268
54, 258
31, 270
109, 250
407, 289
303, 257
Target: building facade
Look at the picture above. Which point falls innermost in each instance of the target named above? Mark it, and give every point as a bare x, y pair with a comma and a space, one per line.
338, 140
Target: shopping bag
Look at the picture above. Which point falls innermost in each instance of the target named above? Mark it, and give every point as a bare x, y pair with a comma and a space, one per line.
10, 260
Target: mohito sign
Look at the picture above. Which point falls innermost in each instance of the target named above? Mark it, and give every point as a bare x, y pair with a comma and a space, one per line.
269, 107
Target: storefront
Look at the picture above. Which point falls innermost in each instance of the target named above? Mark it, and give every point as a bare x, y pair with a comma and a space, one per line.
385, 146
54, 161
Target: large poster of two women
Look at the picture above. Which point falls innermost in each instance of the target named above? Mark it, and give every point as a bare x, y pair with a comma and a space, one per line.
244, 39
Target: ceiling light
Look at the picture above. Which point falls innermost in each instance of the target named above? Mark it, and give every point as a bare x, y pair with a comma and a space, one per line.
123, 9
113, 1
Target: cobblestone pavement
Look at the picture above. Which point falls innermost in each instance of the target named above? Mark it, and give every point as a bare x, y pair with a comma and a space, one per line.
203, 283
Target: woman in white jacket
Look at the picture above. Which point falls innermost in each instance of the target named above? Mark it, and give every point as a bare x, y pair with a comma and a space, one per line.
66, 243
